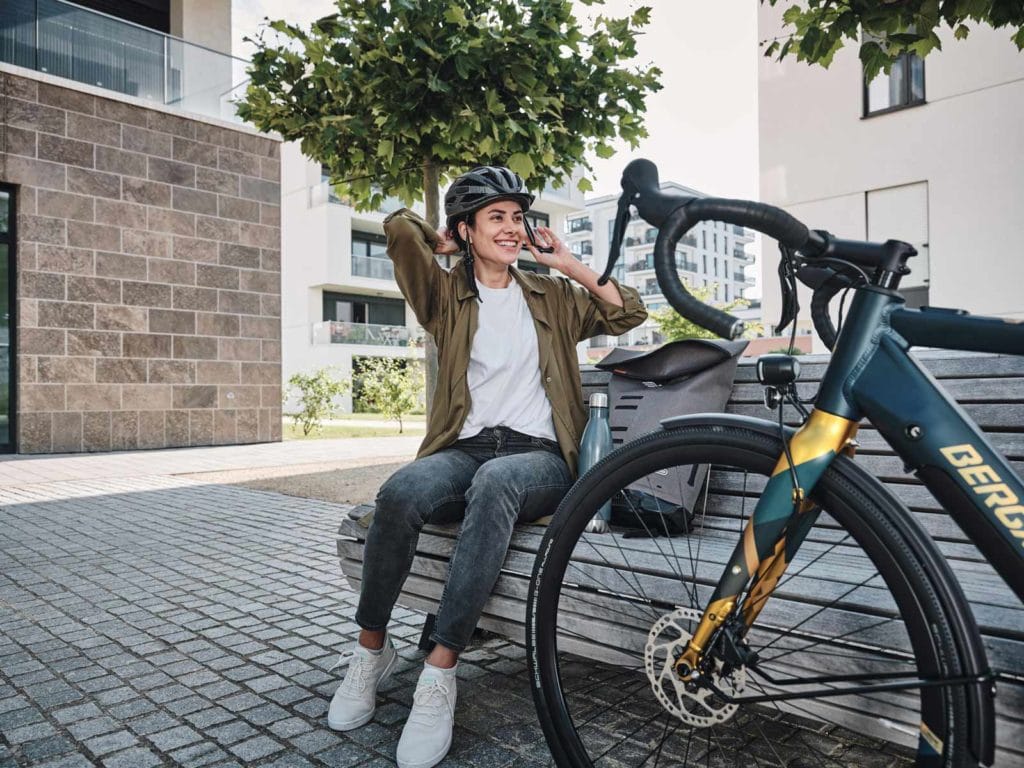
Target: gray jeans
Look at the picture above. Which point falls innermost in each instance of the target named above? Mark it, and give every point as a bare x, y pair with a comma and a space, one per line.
490, 482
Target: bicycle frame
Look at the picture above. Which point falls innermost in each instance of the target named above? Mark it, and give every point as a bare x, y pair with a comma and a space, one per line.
872, 374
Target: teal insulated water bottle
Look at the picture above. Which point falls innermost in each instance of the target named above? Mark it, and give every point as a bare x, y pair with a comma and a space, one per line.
595, 445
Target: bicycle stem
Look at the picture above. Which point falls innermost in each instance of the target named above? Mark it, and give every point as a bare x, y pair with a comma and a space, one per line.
769, 542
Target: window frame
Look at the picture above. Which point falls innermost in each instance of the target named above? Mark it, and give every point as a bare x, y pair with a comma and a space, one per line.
904, 60
10, 239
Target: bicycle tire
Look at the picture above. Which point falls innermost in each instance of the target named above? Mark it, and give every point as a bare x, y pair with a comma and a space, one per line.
856, 507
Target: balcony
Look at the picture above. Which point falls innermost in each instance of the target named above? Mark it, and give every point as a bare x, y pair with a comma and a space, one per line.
580, 225
689, 240
338, 332
740, 277
64, 40
368, 266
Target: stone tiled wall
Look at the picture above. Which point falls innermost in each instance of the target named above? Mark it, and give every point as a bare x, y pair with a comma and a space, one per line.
148, 274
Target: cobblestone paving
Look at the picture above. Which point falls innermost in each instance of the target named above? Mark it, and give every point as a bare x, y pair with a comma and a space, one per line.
158, 621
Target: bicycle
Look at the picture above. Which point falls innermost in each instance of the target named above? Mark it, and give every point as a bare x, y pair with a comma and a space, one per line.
889, 641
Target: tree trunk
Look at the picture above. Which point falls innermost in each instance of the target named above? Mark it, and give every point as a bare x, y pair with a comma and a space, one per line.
431, 202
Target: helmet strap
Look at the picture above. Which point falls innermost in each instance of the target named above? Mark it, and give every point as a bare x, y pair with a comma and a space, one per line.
467, 263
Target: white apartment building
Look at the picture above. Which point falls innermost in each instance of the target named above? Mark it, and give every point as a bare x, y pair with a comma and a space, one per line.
340, 301
932, 154
711, 255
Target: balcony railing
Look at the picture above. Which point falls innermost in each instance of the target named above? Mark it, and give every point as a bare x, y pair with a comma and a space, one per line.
339, 332
580, 225
741, 277
368, 266
65, 40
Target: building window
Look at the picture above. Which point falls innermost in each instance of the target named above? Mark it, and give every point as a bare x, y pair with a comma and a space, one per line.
902, 87
369, 256
523, 265
579, 225
7, 331
537, 219
353, 308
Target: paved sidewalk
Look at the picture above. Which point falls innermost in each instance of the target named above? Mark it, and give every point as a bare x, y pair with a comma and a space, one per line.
157, 621
26, 470
154, 620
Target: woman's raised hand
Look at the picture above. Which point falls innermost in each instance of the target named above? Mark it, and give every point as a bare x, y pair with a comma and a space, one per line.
446, 244
559, 258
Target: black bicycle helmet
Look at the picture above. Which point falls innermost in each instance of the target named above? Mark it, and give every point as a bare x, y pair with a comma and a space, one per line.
484, 184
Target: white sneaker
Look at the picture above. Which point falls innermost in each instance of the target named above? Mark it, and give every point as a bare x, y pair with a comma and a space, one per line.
427, 735
356, 698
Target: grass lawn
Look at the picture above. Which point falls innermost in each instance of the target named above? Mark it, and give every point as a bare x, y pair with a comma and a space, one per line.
292, 432
411, 419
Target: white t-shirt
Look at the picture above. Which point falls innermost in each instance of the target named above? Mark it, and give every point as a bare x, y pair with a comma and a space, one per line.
504, 368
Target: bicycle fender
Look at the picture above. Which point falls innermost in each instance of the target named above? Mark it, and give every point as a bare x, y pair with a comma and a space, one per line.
981, 695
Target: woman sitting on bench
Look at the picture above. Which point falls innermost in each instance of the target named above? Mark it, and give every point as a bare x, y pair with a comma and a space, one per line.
503, 432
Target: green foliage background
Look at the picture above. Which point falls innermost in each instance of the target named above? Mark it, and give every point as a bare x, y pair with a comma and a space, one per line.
316, 392
817, 29
393, 97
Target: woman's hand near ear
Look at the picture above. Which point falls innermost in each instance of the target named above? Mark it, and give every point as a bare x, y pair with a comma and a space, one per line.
446, 244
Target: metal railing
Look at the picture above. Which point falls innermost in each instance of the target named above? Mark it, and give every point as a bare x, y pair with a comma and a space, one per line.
368, 266
340, 332
66, 40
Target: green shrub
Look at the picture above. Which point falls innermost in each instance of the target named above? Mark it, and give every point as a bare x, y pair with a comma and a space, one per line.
316, 393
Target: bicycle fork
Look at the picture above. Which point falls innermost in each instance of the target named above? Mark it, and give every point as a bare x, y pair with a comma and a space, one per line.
782, 518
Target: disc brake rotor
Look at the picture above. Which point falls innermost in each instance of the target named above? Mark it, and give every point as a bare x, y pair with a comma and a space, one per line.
693, 703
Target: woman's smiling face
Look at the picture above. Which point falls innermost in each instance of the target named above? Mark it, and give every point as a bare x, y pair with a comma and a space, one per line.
498, 233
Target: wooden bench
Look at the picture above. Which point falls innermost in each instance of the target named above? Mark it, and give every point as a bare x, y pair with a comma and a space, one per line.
990, 388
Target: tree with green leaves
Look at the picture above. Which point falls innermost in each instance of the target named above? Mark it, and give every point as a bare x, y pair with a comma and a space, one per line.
392, 386
818, 28
674, 326
396, 97
316, 393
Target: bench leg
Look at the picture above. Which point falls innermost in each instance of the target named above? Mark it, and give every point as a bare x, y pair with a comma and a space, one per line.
426, 644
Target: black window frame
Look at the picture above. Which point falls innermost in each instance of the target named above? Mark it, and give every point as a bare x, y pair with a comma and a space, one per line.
908, 101
368, 238
328, 298
10, 239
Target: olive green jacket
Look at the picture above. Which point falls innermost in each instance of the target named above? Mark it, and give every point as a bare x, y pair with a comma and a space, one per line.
563, 314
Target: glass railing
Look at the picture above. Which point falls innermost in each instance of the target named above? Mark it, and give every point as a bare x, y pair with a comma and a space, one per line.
66, 40
368, 266
339, 332
580, 225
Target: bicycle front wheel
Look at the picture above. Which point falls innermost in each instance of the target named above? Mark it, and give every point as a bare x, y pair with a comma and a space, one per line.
833, 662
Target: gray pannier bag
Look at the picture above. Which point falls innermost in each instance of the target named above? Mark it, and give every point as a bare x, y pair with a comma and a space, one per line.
677, 378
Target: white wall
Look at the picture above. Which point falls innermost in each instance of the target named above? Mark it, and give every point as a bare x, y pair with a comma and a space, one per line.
819, 158
205, 22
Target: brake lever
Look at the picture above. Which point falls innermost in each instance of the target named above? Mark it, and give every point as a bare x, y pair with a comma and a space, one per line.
618, 232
